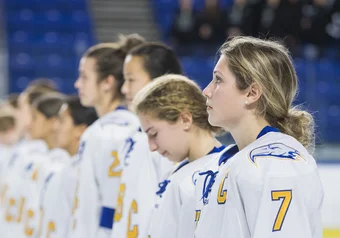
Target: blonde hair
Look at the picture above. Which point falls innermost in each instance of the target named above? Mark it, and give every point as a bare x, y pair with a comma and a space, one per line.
268, 64
166, 97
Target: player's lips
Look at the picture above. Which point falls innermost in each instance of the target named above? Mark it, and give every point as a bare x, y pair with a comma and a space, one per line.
208, 107
164, 154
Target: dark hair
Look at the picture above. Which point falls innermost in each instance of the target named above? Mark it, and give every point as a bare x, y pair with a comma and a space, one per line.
6, 122
158, 59
79, 113
13, 100
38, 88
110, 58
49, 105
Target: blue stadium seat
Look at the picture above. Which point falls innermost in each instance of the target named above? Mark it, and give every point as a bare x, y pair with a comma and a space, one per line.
46, 39
39, 4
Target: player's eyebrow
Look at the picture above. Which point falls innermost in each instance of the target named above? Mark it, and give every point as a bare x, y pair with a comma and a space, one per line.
218, 72
146, 131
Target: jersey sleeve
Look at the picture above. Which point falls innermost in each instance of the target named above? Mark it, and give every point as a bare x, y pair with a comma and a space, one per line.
186, 224
281, 206
85, 210
164, 221
108, 170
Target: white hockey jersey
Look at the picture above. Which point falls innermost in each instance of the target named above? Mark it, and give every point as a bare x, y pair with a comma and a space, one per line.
5, 152
15, 209
174, 212
143, 170
271, 188
32, 186
56, 202
9, 163
100, 171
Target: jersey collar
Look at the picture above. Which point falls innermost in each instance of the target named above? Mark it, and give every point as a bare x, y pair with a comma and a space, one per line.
185, 162
120, 108
234, 149
181, 165
216, 149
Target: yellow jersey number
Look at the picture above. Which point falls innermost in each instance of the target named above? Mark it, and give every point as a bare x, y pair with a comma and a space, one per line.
132, 232
116, 162
286, 197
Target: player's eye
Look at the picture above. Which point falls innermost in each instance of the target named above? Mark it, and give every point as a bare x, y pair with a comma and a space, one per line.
217, 80
82, 75
153, 135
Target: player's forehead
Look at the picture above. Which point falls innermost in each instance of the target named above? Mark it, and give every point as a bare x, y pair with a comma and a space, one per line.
221, 65
87, 64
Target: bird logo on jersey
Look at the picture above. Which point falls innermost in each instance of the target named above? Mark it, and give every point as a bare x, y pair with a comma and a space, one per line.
81, 149
128, 148
208, 183
162, 187
43, 190
275, 150
13, 159
29, 166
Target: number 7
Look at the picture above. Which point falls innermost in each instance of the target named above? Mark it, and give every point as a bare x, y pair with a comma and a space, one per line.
286, 196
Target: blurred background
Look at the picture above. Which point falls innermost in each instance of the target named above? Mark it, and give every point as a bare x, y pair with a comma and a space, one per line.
46, 38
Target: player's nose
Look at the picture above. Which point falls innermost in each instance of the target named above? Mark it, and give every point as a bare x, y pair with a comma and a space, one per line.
77, 83
207, 91
152, 145
124, 89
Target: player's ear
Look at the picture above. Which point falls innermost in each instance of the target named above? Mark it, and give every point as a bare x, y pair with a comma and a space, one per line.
254, 93
186, 120
109, 83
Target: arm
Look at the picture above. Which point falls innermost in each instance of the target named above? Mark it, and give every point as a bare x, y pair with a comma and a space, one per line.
281, 206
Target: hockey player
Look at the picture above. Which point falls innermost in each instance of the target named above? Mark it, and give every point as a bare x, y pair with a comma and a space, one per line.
141, 176
57, 195
101, 148
267, 185
173, 113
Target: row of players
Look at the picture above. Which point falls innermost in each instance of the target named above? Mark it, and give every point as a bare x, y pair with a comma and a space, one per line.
156, 169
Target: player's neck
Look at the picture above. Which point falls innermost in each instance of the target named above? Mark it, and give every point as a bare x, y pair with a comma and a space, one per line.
247, 131
107, 105
73, 148
201, 143
49, 140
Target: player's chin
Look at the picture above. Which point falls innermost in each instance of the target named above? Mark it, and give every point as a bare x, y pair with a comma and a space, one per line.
172, 158
85, 102
213, 120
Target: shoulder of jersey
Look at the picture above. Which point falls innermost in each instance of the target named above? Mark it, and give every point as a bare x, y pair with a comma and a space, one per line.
118, 118
275, 153
29, 147
213, 163
194, 168
118, 121
59, 155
